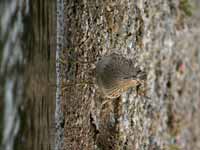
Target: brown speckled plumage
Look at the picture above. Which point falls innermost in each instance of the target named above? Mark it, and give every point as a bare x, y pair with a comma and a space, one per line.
115, 74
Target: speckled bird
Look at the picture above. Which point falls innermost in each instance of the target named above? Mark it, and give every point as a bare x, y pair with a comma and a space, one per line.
115, 74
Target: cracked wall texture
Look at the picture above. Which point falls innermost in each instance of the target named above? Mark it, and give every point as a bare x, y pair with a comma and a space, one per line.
163, 36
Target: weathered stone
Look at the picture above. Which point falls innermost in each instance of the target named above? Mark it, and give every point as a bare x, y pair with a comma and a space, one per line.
163, 38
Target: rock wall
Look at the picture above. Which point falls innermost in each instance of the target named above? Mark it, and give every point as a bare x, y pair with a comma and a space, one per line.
163, 36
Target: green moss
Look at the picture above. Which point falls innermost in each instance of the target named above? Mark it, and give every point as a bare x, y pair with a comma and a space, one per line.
1, 108
1, 126
174, 147
1, 50
186, 7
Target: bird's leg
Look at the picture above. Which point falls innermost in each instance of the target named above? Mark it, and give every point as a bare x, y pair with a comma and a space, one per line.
141, 89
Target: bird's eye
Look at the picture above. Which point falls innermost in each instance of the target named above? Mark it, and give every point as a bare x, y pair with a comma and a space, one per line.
98, 59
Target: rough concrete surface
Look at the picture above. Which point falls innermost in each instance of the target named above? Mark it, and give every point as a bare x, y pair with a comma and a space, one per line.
163, 36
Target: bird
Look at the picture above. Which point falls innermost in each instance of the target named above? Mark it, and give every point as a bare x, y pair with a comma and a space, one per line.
115, 74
